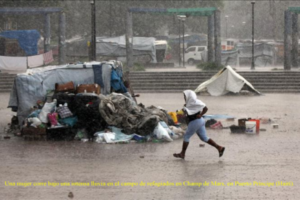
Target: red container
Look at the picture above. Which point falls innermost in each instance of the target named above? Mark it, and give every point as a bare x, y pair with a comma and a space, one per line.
257, 124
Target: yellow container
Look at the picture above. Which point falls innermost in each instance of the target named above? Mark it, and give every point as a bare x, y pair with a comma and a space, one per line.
179, 112
180, 116
174, 116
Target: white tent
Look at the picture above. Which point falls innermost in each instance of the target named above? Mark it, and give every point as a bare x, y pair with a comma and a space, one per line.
226, 80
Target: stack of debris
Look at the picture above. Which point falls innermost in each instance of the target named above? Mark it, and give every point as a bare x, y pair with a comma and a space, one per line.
88, 109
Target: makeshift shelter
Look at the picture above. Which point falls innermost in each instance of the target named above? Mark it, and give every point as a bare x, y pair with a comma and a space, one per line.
116, 47
28, 39
230, 57
34, 85
161, 48
83, 101
265, 53
226, 80
44, 12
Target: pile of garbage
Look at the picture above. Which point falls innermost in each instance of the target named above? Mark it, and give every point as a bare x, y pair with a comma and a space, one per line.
112, 118
92, 112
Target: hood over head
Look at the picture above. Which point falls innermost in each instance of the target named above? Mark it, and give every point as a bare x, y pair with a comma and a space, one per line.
193, 105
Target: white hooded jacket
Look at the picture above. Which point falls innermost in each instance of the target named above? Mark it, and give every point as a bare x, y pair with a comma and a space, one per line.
193, 105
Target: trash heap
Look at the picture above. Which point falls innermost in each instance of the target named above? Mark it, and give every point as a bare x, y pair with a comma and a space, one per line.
244, 125
249, 125
84, 112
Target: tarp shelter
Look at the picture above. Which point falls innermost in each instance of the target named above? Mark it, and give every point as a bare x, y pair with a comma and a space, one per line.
189, 39
28, 40
226, 80
34, 85
77, 47
45, 12
116, 47
230, 57
263, 53
214, 26
161, 47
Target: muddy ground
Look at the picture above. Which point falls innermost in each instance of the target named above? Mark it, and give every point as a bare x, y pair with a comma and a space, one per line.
270, 156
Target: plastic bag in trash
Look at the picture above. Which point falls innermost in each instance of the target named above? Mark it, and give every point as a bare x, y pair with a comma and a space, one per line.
161, 133
107, 137
48, 108
80, 134
177, 131
139, 137
171, 133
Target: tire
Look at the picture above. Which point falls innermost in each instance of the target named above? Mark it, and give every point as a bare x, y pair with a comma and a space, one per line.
191, 61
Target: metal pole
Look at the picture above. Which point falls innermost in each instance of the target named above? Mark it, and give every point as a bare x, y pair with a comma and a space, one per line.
179, 50
295, 39
129, 39
183, 49
252, 63
226, 30
47, 33
95, 55
287, 39
110, 17
210, 38
93, 31
218, 47
62, 38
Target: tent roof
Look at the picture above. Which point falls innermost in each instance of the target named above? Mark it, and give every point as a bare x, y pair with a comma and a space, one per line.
226, 80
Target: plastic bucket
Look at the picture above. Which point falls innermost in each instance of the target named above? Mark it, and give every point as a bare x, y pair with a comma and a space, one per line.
250, 127
242, 121
257, 121
174, 116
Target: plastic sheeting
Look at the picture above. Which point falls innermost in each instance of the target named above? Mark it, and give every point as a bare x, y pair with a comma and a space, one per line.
28, 39
113, 137
230, 57
33, 85
217, 117
35, 61
263, 53
15, 65
226, 80
260, 49
116, 47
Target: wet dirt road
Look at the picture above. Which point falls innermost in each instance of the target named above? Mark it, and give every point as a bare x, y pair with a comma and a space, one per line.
254, 161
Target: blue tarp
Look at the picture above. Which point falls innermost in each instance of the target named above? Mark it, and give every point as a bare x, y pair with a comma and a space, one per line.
28, 40
217, 117
116, 81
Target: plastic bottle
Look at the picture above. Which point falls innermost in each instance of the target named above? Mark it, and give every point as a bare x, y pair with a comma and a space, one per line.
55, 107
156, 141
